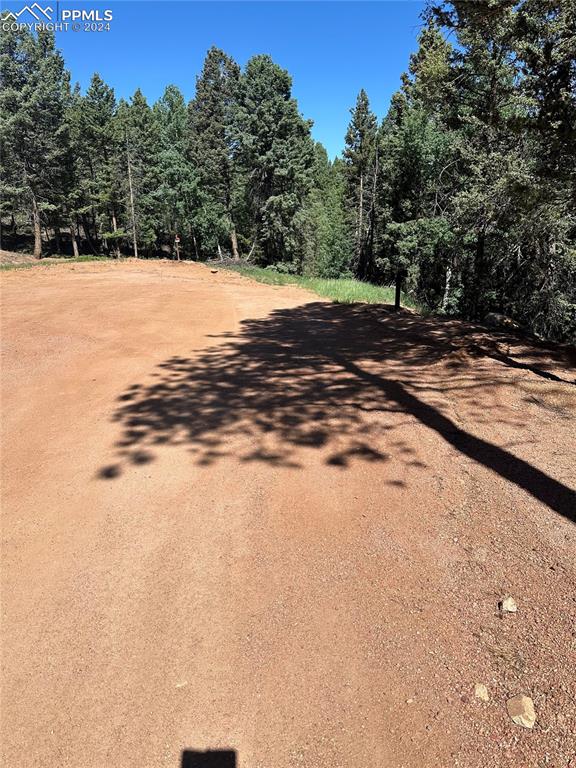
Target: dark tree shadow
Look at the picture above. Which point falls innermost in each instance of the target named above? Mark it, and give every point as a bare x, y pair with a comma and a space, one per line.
333, 378
493, 347
217, 758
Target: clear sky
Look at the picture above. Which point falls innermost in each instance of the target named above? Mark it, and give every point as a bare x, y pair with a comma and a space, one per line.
331, 49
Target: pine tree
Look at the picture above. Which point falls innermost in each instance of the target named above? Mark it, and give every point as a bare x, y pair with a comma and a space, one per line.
73, 203
33, 129
178, 195
137, 131
544, 42
99, 110
276, 153
95, 149
503, 102
416, 183
326, 248
361, 157
210, 147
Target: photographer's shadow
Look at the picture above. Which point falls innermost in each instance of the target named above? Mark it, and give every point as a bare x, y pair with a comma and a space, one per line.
217, 758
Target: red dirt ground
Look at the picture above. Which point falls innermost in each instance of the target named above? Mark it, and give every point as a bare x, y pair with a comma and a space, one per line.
237, 516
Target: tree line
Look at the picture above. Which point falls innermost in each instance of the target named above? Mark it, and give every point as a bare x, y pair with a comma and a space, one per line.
464, 194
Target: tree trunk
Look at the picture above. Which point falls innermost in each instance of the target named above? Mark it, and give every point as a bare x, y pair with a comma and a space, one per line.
134, 241
360, 222
479, 269
87, 234
252, 249
254, 243
92, 207
219, 252
74, 241
115, 229
399, 276
234, 243
95, 226
58, 239
37, 229
446, 289
370, 254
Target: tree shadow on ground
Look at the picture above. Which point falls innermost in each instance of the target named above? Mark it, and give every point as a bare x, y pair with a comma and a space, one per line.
498, 346
335, 378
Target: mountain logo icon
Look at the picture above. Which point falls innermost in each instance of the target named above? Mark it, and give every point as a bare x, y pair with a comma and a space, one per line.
39, 13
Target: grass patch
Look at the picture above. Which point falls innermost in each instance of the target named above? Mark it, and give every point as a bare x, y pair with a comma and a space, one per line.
49, 261
339, 290
24, 265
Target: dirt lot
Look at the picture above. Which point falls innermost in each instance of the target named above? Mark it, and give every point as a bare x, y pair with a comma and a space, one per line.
238, 517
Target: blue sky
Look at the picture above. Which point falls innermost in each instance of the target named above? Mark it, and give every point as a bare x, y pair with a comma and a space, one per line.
331, 49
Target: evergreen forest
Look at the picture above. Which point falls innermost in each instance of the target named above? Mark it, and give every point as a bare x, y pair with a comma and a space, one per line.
464, 194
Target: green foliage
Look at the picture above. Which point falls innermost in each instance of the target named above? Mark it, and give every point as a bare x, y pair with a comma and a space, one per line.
94, 196
178, 195
33, 130
326, 249
477, 180
276, 154
138, 134
361, 173
211, 140
465, 194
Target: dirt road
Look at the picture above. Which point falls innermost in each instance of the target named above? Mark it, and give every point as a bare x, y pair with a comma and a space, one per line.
238, 517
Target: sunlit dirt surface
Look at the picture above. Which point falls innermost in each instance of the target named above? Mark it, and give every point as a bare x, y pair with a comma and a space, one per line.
238, 517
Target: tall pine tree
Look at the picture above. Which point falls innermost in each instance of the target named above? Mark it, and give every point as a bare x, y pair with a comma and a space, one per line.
210, 147
276, 153
138, 133
179, 198
361, 158
33, 130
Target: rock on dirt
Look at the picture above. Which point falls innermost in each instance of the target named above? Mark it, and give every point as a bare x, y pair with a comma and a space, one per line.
508, 605
521, 710
498, 320
481, 692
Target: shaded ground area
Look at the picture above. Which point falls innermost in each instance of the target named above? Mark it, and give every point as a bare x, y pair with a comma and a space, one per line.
310, 377
246, 527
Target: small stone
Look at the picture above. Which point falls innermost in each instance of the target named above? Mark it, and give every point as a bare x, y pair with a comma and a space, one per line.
481, 692
213, 271
409, 701
521, 710
508, 605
